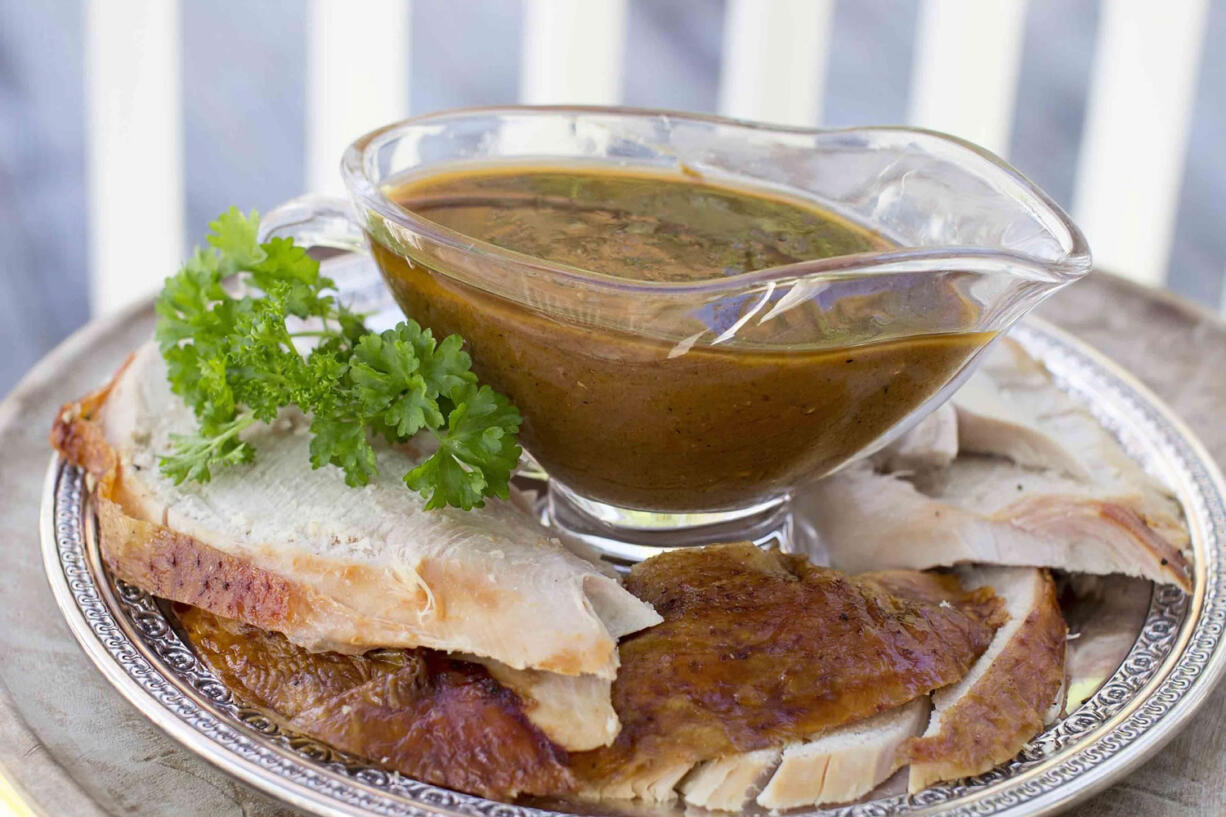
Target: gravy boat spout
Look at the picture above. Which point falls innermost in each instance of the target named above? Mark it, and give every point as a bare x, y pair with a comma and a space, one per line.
670, 413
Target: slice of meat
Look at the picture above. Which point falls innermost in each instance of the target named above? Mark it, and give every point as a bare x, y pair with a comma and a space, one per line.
1003, 407
759, 648
446, 722
728, 783
575, 711
933, 443
292, 549
1051, 488
836, 766
1015, 410
430, 717
988, 716
846, 763
295, 551
988, 510
655, 784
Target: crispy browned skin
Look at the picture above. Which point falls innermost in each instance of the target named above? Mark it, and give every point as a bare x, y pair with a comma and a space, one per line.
78, 438
758, 648
416, 711
152, 556
995, 718
931, 589
266, 670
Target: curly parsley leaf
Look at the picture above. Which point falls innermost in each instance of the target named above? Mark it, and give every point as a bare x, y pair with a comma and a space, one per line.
195, 454
234, 359
342, 442
235, 238
477, 452
401, 373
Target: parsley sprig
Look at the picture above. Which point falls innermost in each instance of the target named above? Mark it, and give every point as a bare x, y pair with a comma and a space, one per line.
232, 358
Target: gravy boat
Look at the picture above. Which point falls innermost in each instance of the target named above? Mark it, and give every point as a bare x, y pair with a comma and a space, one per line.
668, 414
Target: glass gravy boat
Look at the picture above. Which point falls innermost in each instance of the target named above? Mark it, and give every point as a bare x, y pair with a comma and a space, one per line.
668, 414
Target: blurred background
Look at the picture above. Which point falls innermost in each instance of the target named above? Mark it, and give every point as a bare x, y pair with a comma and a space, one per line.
126, 125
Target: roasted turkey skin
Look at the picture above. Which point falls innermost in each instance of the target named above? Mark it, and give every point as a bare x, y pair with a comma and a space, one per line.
758, 648
420, 712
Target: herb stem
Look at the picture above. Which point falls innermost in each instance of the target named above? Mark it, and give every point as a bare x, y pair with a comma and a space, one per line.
232, 429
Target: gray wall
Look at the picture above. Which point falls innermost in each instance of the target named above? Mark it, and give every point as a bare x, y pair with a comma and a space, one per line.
243, 70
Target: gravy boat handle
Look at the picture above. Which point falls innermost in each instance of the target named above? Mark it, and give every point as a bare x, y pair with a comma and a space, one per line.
315, 220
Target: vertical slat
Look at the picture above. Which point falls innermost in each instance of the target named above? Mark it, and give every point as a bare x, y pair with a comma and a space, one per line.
964, 81
775, 55
135, 148
1136, 132
357, 79
572, 52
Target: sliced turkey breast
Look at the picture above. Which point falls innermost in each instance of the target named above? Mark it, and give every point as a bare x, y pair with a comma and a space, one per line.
988, 510
987, 717
286, 548
574, 711
1056, 490
847, 763
380, 569
932, 443
1012, 408
1004, 407
760, 649
728, 783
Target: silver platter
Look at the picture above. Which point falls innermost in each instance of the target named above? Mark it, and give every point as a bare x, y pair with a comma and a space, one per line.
1170, 659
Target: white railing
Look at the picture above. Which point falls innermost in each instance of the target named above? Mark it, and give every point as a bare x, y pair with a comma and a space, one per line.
1136, 131
572, 52
357, 79
766, 41
964, 80
135, 151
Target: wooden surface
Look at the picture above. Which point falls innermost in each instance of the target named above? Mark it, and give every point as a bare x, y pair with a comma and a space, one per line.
74, 747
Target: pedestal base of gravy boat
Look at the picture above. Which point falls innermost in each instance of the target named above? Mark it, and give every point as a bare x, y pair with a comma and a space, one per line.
624, 536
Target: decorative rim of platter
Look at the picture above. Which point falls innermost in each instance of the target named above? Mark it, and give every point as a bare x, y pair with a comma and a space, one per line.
1169, 672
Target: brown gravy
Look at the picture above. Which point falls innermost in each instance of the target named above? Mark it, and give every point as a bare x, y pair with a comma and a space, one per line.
611, 413
647, 227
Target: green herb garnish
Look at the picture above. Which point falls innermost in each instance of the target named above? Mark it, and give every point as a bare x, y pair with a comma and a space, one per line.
233, 360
